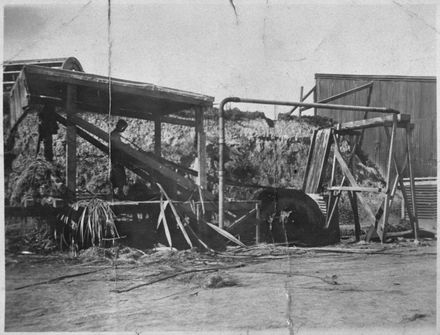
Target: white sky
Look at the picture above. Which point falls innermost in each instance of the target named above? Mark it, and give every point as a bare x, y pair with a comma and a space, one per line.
268, 52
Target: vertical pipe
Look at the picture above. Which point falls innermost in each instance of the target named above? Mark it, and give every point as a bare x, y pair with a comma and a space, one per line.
221, 163
221, 172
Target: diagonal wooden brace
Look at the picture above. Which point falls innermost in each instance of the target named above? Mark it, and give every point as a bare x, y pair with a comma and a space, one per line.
352, 181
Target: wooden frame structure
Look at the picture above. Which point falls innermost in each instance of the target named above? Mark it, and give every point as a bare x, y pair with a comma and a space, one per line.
75, 93
78, 92
392, 119
393, 178
323, 140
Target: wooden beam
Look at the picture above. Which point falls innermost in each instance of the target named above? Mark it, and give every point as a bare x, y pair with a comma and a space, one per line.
138, 158
354, 206
202, 180
380, 211
157, 137
402, 120
381, 227
303, 98
412, 184
71, 142
309, 158
257, 223
240, 220
355, 189
315, 169
341, 95
104, 148
152, 114
352, 181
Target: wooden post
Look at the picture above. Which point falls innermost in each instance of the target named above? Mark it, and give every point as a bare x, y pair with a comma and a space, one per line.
354, 206
157, 137
199, 217
381, 227
400, 171
411, 179
70, 142
315, 94
301, 99
202, 179
331, 197
258, 225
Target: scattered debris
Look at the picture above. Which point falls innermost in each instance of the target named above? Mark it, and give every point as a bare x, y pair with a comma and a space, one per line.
218, 280
37, 180
414, 317
162, 277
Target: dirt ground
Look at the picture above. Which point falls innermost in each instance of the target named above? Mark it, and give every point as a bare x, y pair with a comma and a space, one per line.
348, 287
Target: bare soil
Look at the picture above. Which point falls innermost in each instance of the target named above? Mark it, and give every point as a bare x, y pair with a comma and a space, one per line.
369, 287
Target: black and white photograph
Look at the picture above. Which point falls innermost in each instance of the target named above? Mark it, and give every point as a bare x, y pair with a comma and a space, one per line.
219, 166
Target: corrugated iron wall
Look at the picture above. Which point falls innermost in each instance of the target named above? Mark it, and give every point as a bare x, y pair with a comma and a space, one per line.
415, 96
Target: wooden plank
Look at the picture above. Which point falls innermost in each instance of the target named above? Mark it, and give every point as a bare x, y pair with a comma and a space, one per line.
333, 207
354, 189
202, 179
357, 226
352, 180
258, 223
38, 61
145, 114
70, 142
381, 227
402, 119
431, 79
240, 220
412, 184
303, 98
341, 95
318, 160
309, 159
105, 149
139, 159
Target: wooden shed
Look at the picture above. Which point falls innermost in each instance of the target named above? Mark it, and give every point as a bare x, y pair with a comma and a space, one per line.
415, 96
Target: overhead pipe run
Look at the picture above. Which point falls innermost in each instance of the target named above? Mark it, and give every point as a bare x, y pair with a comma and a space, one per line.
221, 141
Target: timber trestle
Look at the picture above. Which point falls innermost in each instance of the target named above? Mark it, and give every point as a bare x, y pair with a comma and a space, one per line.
326, 143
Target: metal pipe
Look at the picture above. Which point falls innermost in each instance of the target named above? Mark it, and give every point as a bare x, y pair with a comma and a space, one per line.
221, 170
383, 110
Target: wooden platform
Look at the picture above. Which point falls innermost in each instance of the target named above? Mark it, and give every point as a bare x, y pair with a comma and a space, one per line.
402, 121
